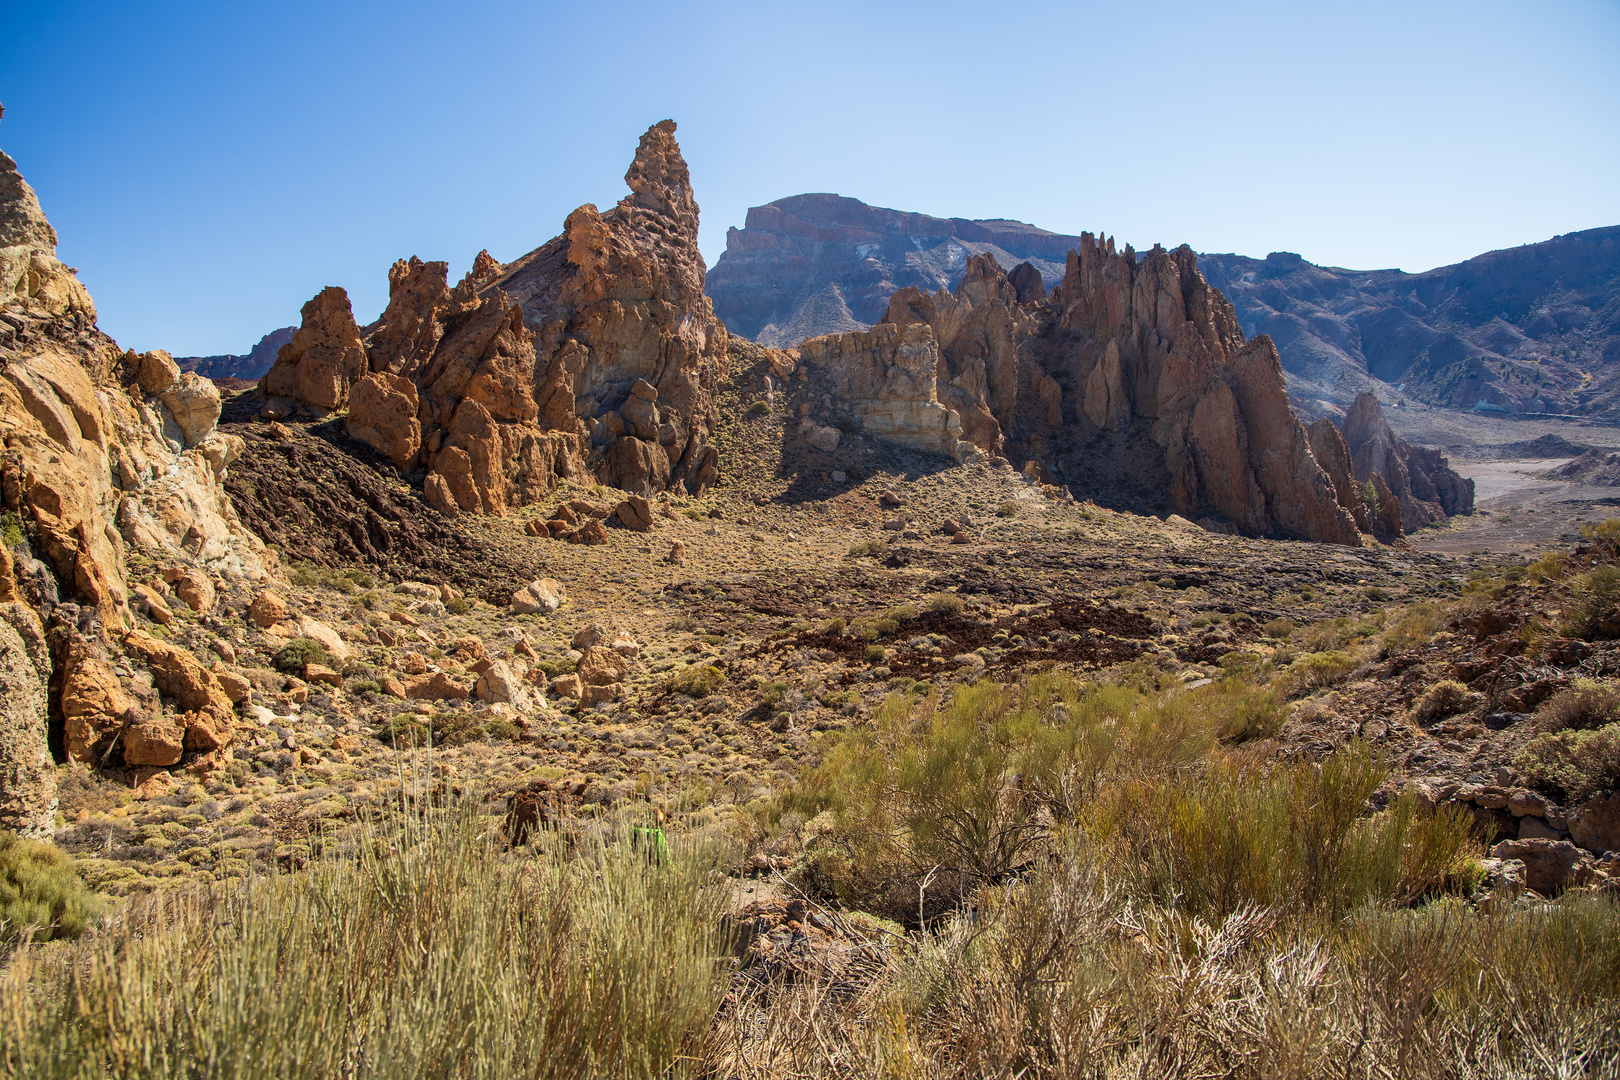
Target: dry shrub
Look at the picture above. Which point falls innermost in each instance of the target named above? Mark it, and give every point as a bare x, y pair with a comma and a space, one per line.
1445, 698
1576, 764
1315, 671
1598, 592
1416, 626
41, 893
1580, 708
427, 952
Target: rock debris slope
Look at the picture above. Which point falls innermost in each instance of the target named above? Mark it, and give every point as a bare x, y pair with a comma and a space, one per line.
111, 461
595, 355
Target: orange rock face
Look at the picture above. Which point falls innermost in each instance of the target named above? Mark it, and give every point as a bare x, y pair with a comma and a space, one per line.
1422, 482
324, 358
595, 356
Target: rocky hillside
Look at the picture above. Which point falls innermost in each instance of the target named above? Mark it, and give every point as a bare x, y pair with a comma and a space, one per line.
1532, 329
821, 264
249, 367
111, 485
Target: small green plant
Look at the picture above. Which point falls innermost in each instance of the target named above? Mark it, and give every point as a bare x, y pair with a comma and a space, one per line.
759, 408
1417, 626
692, 513
404, 730
11, 531
365, 686
866, 549
697, 681
1278, 628
1599, 592
1007, 509
41, 893
770, 695
457, 605
834, 626
556, 667
1316, 671
876, 654
292, 657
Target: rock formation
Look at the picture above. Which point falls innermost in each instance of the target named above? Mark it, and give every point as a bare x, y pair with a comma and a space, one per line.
818, 264
1128, 354
106, 453
252, 365
595, 355
1426, 487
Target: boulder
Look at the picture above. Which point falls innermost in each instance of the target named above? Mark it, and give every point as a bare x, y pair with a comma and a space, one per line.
93, 704
320, 673
207, 731
194, 406
635, 513
192, 586
567, 686
325, 357
542, 595
153, 740
499, 684
625, 646
267, 609
1550, 866
601, 666
237, 688
589, 636
178, 674
383, 415
154, 371
149, 600
1595, 825
824, 438
438, 686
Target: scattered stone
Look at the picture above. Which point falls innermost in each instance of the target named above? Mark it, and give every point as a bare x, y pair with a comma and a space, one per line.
540, 596
1550, 866
677, 552
193, 587
438, 686
267, 609
635, 513
319, 673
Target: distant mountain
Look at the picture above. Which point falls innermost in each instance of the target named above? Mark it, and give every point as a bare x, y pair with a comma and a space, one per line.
821, 264
250, 367
1528, 330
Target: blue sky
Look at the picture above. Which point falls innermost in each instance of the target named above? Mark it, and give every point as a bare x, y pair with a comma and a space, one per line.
210, 166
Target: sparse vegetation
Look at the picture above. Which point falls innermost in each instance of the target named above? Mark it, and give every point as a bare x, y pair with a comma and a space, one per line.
1574, 764
42, 895
293, 657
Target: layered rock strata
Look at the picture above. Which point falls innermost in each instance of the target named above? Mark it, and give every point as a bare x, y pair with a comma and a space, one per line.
595, 355
106, 454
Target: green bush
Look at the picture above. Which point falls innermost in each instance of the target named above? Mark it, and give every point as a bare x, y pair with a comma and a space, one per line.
1007, 509
697, 681
1578, 764
759, 408
1598, 591
1416, 626
556, 667
40, 891
1242, 712
876, 654
291, 658
945, 603
1315, 671
1278, 628
867, 548
426, 949
457, 605
1295, 837
404, 729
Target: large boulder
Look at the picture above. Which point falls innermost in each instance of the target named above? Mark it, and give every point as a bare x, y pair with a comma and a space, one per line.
1595, 824
382, 414
1550, 866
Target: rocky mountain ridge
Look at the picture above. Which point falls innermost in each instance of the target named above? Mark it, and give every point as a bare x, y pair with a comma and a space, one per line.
1528, 330
249, 366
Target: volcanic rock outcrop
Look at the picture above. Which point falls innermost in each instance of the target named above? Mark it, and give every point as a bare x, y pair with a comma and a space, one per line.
1133, 366
106, 453
595, 355
1421, 479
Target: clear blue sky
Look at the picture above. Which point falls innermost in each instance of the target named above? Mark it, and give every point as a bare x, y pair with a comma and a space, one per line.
210, 166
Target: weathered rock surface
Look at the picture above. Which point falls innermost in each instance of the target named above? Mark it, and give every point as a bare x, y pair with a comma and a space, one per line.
1134, 367
108, 453
27, 774
324, 358
1422, 480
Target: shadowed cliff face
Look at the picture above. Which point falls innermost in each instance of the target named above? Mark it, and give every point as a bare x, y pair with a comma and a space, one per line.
1132, 383
819, 264
595, 355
